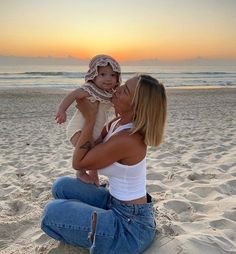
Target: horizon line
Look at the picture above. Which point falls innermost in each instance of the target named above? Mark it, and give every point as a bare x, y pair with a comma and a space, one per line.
199, 58
12, 60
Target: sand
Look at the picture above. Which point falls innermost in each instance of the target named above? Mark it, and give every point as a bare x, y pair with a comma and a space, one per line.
192, 176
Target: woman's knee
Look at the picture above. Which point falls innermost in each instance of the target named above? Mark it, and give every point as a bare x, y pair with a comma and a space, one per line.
46, 215
61, 184
48, 219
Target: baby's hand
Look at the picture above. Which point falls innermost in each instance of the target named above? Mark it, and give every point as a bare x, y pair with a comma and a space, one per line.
60, 117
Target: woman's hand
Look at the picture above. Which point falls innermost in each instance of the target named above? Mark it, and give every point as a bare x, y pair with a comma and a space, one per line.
88, 109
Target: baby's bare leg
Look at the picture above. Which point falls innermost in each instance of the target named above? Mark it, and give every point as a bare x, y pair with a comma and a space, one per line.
94, 176
80, 173
74, 139
91, 176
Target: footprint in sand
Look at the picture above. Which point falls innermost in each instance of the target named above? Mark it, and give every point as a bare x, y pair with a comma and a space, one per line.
16, 207
229, 187
5, 185
178, 206
195, 160
155, 188
155, 176
231, 215
224, 167
222, 224
63, 164
206, 191
196, 176
6, 190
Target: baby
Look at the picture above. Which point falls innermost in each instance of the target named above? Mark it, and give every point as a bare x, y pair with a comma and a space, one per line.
103, 76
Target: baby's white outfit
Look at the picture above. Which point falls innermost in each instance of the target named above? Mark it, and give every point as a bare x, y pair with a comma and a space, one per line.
104, 109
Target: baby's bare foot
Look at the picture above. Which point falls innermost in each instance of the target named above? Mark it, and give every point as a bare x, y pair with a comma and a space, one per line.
83, 176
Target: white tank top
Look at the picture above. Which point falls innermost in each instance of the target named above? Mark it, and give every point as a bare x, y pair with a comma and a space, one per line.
126, 182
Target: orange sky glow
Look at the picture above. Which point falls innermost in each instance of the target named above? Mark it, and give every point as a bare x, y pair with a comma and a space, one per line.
165, 30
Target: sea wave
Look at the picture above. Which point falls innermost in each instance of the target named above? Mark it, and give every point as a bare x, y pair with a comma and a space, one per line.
208, 73
41, 75
73, 77
82, 74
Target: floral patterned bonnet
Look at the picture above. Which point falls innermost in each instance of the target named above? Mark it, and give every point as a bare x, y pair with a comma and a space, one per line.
102, 60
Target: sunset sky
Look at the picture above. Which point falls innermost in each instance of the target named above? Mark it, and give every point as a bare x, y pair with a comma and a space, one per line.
126, 29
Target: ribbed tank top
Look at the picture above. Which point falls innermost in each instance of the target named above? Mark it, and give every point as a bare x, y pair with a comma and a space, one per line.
126, 182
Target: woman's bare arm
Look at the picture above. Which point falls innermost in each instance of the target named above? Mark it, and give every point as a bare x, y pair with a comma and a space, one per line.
122, 147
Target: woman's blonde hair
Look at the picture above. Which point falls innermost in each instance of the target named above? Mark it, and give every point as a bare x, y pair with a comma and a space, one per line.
150, 109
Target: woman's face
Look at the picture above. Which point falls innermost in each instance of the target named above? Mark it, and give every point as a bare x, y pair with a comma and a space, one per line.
123, 96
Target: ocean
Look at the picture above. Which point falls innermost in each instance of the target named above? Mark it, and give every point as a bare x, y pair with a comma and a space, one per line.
69, 77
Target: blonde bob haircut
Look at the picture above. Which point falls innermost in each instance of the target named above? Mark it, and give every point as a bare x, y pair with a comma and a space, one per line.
150, 109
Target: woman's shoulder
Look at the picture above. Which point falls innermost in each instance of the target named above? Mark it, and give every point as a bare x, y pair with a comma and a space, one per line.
131, 144
134, 137
129, 140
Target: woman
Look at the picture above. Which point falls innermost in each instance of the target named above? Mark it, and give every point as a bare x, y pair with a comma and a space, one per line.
121, 219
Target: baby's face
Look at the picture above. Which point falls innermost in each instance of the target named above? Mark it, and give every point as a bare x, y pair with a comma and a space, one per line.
107, 79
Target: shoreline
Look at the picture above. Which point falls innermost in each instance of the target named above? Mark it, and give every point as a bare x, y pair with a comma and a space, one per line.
53, 90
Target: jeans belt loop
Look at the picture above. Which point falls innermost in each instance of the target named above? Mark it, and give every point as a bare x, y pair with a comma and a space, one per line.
136, 209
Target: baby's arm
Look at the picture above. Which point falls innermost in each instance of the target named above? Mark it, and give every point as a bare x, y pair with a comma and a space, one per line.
67, 101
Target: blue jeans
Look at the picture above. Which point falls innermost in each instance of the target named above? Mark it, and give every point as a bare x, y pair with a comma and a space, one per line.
88, 216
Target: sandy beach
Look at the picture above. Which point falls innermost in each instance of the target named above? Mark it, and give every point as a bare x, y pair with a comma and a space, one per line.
192, 176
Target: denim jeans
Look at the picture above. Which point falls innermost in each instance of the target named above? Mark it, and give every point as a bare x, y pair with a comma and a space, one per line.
88, 216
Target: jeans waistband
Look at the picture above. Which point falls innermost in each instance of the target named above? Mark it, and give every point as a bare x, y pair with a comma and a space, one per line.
131, 208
